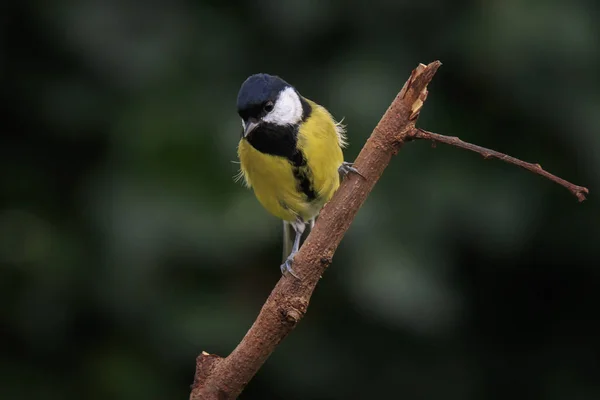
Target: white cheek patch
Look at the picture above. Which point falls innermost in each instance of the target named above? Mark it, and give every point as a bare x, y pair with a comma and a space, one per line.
287, 109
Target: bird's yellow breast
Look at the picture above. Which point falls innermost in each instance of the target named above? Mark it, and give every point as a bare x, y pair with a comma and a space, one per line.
281, 186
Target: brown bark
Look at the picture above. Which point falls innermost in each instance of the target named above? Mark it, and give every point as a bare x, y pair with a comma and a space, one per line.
225, 378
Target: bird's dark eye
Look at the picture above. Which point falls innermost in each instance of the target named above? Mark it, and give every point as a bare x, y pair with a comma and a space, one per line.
268, 106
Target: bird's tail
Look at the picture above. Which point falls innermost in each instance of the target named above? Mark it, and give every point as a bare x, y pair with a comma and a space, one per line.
289, 235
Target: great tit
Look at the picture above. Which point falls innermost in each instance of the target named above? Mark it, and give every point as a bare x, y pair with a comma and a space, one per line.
290, 153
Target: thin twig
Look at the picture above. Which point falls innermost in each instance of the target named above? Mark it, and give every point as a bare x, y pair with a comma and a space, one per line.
579, 191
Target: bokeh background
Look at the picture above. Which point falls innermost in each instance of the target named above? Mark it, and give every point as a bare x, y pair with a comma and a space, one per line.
126, 248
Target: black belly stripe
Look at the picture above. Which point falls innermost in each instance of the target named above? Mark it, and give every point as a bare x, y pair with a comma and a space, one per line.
303, 176
281, 141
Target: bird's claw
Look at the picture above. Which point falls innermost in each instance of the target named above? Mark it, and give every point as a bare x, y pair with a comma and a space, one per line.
347, 167
287, 267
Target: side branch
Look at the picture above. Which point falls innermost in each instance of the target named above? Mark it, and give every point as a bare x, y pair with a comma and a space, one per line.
578, 191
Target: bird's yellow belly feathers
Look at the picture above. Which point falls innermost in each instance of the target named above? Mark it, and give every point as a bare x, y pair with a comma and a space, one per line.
289, 190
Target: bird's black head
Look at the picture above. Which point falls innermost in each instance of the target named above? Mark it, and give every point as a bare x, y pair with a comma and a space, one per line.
272, 111
258, 95
268, 103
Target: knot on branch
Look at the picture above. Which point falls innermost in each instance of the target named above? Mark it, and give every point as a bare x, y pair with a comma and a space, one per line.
293, 311
205, 364
581, 193
326, 261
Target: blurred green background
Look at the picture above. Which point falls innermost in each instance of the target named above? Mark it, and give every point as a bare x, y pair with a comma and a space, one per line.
126, 248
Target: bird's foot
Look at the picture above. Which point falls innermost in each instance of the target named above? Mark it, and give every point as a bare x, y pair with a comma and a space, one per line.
287, 266
346, 168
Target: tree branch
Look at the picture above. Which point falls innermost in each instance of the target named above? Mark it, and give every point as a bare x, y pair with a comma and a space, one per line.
225, 378
578, 191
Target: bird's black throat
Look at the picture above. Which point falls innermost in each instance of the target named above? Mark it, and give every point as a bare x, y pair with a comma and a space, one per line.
278, 140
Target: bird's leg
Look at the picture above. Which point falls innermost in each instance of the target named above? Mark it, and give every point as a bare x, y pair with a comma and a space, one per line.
299, 227
346, 168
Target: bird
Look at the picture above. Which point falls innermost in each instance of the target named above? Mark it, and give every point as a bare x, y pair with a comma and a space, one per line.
290, 154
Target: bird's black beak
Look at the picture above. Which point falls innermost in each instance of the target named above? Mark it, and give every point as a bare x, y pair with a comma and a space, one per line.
250, 125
